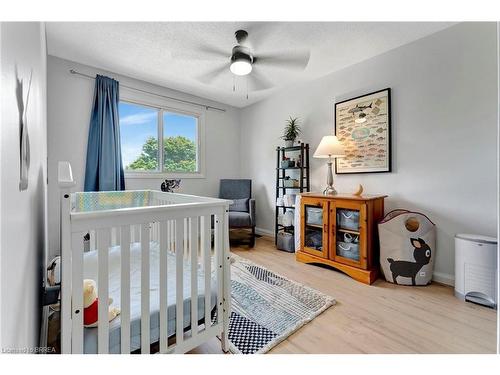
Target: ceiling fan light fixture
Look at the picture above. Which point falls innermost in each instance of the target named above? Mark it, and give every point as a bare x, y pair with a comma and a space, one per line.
241, 67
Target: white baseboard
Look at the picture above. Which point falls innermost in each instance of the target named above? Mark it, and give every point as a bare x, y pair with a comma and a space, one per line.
444, 278
264, 232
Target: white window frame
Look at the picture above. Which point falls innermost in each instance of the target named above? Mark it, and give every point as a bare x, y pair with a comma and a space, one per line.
162, 107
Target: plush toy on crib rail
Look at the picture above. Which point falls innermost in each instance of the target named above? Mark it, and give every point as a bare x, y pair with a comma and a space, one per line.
90, 304
170, 186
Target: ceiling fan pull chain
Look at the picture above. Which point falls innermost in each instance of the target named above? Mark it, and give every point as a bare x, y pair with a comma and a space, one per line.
246, 81
234, 87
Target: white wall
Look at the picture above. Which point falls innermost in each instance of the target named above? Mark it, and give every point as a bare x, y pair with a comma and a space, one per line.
69, 104
444, 102
23, 213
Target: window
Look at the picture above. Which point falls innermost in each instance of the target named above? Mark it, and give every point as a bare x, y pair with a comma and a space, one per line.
144, 130
180, 133
139, 137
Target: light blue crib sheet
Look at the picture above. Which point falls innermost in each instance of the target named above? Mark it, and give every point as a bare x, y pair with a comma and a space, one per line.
90, 272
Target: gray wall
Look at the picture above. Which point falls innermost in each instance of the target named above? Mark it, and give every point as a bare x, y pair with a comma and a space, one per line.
69, 104
23, 213
444, 113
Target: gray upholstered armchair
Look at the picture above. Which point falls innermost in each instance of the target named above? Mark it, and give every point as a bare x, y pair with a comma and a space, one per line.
242, 211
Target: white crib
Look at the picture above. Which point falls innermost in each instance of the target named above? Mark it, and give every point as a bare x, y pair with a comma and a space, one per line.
165, 226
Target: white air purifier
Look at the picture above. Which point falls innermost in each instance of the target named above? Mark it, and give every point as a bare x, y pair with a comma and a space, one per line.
476, 269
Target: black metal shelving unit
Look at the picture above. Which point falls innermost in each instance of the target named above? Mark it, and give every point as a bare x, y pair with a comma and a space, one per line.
281, 175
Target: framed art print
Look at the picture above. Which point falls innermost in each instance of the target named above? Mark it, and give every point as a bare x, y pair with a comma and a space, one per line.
363, 125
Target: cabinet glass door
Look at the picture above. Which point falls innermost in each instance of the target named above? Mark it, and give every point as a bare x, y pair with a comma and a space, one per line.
349, 233
314, 228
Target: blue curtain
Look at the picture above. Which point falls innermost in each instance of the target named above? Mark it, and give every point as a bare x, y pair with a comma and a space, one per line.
104, 169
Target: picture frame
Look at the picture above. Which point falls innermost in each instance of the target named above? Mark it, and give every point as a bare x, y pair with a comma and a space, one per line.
363, 126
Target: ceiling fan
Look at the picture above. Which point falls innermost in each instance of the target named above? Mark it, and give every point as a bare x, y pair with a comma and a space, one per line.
243, 61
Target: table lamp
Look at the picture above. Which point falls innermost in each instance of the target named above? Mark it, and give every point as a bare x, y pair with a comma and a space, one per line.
329, 147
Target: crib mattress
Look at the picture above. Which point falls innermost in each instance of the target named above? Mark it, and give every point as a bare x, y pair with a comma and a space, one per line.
90, 272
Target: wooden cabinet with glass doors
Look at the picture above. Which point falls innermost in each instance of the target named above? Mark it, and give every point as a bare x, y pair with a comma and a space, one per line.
341, 231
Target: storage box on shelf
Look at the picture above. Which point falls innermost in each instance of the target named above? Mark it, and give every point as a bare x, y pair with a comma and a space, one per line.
341, 231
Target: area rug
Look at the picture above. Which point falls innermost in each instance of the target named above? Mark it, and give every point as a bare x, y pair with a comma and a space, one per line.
266, 308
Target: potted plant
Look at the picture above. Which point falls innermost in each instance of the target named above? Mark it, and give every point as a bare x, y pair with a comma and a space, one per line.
292, 131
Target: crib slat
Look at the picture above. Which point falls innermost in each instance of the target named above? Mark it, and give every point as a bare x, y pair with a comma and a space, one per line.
226, 283
114, 236
66, 272
172, 236
193, 248
154, 232
163, 286
93, 240
186, 236
173, 223
168, 235
218, 242
145, 326
77, 292
206, 238
136, 233
125, 289
179, 287
103, 243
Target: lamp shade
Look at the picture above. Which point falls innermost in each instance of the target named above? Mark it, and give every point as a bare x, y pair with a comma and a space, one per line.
329, 147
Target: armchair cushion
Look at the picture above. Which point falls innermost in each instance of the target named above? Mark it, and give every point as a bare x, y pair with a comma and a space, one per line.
239, 219
239, 205
235, 189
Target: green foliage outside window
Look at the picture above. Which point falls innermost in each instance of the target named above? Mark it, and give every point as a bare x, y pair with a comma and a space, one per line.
179, 155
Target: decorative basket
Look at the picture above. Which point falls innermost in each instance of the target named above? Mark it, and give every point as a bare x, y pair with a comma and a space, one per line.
287, 163
348, 219
407, 247
314, 216
291, 182
348, 250
285, 242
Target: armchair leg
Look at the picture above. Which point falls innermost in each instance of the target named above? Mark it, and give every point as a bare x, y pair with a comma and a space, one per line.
252, 240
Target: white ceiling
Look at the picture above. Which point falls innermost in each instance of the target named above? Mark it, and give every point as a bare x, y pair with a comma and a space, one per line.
164, 53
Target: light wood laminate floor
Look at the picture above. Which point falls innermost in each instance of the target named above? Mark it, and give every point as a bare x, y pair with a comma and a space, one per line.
381, 318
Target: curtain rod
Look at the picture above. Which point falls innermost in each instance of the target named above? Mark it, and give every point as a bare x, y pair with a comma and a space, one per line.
206, 106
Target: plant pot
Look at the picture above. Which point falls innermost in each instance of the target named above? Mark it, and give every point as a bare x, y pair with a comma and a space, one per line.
289, 142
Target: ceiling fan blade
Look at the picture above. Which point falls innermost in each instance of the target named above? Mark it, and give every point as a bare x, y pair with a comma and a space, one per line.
290, 60
258, 81
209, 76
202, 52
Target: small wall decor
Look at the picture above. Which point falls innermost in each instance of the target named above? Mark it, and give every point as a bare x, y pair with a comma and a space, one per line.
170, 186
363, 125
24, 141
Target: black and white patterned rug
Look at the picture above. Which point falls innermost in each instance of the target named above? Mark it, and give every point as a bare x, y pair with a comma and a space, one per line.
266, 308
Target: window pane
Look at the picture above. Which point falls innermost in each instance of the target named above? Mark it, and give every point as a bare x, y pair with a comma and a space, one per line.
180, 134
139, 137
